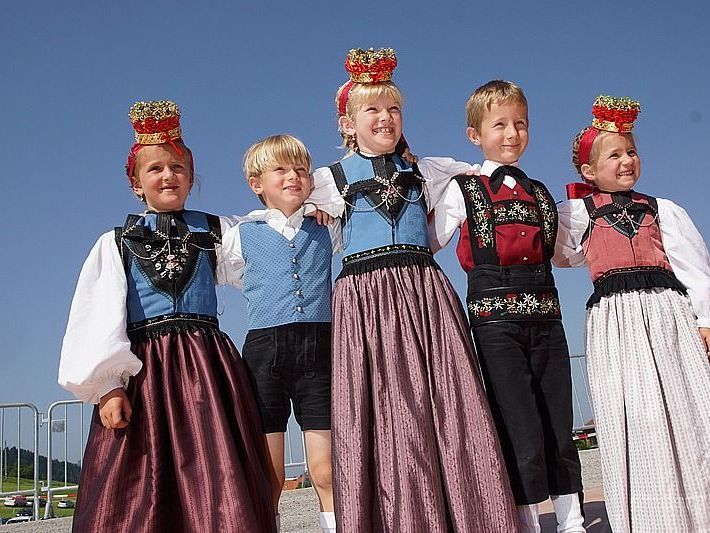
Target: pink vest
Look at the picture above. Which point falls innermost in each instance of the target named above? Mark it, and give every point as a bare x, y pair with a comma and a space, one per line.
623, 238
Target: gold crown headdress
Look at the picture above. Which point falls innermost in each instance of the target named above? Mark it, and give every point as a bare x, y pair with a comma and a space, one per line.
155, 121
611, 113
366, 66
615, 114
370, 66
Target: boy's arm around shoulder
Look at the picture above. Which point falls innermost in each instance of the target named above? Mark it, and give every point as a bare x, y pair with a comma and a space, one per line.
572, 223
96, 355
688, 256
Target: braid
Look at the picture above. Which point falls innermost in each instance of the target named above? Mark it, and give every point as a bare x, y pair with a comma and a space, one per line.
575, 150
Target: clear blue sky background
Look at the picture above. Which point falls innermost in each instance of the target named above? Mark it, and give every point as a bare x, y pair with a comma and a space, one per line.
244, 70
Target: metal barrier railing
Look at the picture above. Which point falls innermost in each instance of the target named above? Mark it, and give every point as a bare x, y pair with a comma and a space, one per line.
34, 491
51, 428
581, 396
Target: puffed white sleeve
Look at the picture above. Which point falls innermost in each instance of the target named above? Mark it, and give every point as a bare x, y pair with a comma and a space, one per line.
231, 264
573, 222
96, 354
438, 171
325, 195
447, 217
688, 256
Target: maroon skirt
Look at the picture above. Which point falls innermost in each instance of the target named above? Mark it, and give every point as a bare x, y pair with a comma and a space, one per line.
414, 445
193, 457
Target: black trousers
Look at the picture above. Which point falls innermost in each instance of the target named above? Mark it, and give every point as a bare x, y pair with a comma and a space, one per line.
526, 370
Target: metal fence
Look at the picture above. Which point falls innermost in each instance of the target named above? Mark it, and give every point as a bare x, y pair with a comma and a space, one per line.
581, 396
18, 409
66, 425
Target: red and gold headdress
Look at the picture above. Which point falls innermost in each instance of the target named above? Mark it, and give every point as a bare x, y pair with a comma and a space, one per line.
612, 114
366, 66
154, 122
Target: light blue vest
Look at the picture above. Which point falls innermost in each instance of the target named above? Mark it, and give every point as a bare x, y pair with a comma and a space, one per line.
367, 228
174, 275
286, 281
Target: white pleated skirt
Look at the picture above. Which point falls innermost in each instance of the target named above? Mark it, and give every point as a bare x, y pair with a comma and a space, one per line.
650, 381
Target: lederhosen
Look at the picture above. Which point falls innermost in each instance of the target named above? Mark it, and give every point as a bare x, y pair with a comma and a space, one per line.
516, 322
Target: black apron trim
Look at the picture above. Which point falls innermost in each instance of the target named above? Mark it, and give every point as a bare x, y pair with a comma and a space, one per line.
621, 280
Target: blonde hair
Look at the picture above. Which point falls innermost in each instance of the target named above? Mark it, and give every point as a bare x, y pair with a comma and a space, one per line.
274, 150
359, 95
596, 147
494, 92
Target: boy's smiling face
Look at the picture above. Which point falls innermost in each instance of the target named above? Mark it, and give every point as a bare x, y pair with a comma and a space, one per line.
283, 186
503, 134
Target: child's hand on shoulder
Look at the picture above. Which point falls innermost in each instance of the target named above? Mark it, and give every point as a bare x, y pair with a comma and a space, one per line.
705, 335
115, 409
322, 218
475, 170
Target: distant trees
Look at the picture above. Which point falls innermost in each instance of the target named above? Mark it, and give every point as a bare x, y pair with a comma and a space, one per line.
27, 466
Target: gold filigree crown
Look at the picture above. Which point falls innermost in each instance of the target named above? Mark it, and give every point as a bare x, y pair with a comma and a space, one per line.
155, 121
615, 114
370, 65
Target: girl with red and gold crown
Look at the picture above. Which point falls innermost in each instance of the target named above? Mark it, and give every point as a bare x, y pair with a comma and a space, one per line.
175, 428
648, 330
414, 446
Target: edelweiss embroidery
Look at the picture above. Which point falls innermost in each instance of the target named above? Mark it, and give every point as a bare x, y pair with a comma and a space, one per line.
516, 211
483, 227
548, 212
515, 303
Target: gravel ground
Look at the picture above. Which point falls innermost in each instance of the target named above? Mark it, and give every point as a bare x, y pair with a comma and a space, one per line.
299, 508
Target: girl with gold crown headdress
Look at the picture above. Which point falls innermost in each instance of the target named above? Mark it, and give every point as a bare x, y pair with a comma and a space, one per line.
414, 446
648, 330
175, 426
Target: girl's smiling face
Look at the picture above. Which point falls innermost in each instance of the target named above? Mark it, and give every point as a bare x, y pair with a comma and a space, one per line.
162, 177
617, 167
376, 125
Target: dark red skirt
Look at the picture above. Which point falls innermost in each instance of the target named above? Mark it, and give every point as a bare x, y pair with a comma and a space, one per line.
193, 457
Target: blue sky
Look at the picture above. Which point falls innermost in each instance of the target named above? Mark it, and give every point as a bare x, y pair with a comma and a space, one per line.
244, 70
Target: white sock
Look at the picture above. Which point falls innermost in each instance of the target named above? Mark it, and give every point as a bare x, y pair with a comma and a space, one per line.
569, 513
278, 522
528, 518
327, 522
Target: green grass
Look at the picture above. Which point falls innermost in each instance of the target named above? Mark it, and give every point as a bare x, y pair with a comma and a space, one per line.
10, 485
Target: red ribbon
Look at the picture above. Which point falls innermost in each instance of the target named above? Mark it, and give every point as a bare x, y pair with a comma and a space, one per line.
343, 98
585, 145
578, 190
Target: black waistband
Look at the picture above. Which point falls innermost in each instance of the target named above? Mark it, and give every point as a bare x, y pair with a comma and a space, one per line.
172, 322
514, 292
387, 256
621, 280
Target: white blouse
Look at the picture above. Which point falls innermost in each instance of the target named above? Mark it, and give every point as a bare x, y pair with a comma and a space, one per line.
96, 353
684, 246
436, 171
